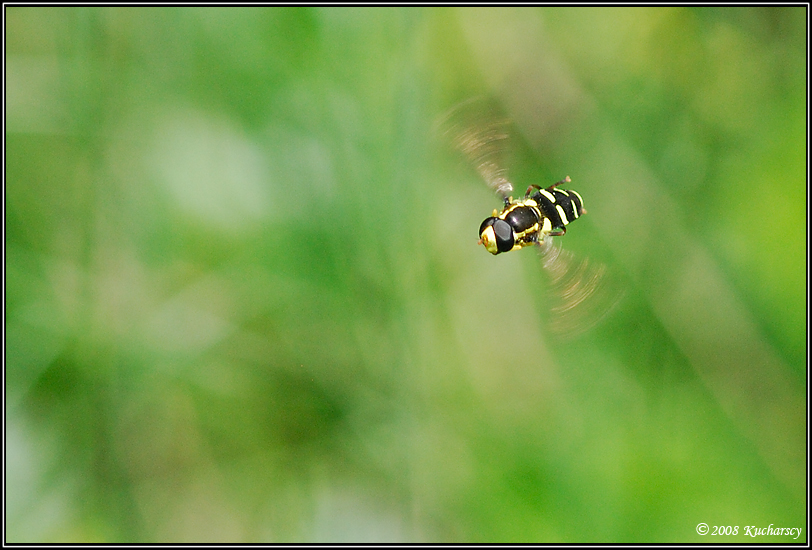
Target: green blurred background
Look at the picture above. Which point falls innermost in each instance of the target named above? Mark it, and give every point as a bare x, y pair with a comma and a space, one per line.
244, 300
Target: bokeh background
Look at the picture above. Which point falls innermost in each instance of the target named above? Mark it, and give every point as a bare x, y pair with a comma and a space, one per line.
244, 300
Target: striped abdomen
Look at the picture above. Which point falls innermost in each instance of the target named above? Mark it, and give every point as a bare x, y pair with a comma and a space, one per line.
560, 206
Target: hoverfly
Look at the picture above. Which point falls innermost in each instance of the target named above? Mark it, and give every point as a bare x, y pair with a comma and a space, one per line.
579, 288
526, 222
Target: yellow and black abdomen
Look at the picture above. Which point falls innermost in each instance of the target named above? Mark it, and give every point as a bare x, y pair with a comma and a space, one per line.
560, 206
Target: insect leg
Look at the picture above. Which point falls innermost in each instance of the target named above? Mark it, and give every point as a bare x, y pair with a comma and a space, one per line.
556, 184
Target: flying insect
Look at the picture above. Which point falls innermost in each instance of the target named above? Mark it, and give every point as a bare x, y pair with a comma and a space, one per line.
581, 293
527, 222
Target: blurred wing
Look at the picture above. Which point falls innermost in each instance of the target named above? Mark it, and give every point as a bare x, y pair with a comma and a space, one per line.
581, 292
478, 130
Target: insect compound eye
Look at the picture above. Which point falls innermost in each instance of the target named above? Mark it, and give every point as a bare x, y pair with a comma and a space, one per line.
496, 235
504, 235
487, 223
487, 236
